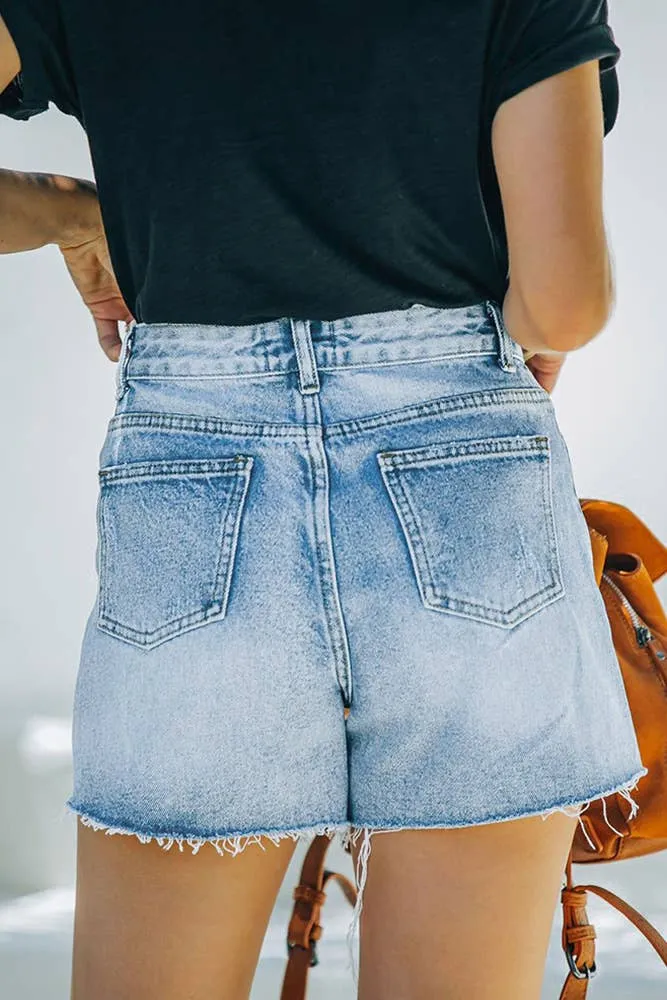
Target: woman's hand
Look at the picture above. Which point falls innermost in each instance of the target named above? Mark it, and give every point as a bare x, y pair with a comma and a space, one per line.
546, 368
38, 209
86, 253
90, 267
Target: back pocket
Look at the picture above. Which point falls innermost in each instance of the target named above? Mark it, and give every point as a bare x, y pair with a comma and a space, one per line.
168, 533
478, 521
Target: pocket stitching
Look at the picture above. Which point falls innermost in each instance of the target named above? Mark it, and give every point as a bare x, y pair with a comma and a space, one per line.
414, 539
239, 467
230, 534
450, 451
169, 469
391, 462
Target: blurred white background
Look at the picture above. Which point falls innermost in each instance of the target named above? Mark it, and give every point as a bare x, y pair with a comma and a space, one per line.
57, 395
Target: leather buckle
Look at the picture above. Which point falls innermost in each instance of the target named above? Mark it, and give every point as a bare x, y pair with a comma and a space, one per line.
314, 960
578, 973
304, 931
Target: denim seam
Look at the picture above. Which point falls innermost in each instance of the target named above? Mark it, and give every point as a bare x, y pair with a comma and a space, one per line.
347, 428
227, 544
413, 538
212, 376
525, 608
174, 469
333, 613
101, 528
422, 359
167, 631
184, 423
148, 376
436, 407
422, 457
557, 570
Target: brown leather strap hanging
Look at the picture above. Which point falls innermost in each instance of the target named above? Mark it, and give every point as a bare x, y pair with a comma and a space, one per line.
578, 936
304, 929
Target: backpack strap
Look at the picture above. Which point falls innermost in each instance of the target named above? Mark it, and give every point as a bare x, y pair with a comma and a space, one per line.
304, 929
625, 532
579, 935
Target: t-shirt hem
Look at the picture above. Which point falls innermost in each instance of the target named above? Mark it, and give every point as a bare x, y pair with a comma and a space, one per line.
19, 100
14, 103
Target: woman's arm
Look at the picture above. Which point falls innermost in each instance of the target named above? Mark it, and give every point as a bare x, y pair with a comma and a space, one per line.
548, 151
37, 209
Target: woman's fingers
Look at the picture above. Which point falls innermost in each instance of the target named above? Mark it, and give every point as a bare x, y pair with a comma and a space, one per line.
546, 368
90, 268
108, 336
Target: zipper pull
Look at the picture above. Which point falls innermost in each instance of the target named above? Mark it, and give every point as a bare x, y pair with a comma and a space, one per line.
644, 635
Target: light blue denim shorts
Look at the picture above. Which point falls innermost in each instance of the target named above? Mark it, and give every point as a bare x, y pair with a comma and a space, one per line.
345, 585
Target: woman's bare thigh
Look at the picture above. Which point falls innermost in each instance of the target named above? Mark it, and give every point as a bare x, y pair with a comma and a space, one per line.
154, 924
464, 914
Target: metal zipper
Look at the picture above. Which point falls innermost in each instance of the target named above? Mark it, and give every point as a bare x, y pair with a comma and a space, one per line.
642, 632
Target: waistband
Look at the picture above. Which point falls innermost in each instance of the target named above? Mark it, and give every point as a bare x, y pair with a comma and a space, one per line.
310, 346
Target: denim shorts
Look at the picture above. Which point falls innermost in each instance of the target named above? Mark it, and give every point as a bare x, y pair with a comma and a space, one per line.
345, 585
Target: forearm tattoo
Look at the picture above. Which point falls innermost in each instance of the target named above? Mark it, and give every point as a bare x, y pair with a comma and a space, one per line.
37, 208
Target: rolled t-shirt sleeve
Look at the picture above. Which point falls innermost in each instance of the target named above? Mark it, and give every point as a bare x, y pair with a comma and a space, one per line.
540, 38
33, 25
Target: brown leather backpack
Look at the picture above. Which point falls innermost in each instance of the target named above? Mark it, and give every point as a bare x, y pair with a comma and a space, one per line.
627, 559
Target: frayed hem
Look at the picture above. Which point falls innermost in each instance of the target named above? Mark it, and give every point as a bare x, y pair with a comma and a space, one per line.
573, 808
580, 807
230, 843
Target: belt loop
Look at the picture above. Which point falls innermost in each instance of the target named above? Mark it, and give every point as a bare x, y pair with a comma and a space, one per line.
309, 381
123, 359
506, 358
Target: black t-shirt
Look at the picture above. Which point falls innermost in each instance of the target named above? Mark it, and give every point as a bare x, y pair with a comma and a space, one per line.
258, 159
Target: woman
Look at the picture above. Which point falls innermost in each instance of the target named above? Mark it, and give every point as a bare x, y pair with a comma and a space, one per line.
345, 584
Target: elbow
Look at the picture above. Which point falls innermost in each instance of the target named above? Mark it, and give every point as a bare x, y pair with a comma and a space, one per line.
578, 325
571, 321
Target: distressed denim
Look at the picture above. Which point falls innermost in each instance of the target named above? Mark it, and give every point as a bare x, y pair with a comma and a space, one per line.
345, 585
